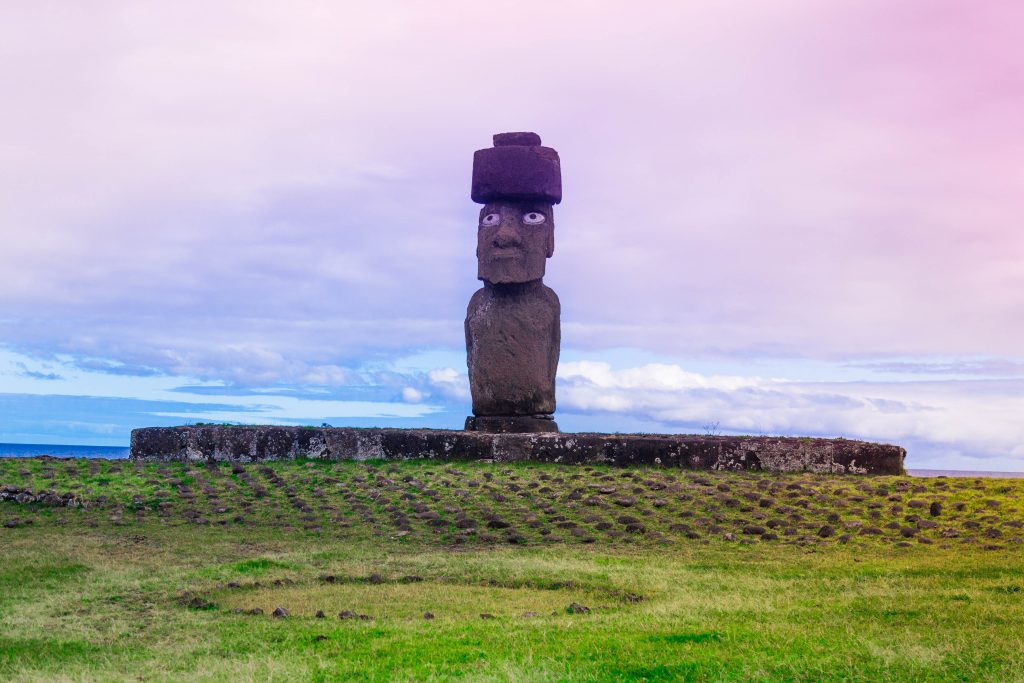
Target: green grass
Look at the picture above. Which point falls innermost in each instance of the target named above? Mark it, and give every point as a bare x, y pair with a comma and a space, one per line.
685, 575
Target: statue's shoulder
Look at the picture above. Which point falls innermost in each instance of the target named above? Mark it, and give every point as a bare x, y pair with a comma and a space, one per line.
550, 296
478, 298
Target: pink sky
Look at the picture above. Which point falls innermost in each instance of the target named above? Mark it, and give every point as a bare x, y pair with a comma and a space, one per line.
256, 190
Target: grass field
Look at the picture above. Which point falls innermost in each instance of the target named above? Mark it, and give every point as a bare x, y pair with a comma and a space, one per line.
479, 571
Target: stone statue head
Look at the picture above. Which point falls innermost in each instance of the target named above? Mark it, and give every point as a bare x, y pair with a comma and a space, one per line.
518, 181
514, 240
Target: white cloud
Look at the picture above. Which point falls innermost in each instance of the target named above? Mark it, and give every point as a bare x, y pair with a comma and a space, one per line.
412, 395
944, 423
739, 180
653, 376
266, 195
266, 404
450, 383
949, 416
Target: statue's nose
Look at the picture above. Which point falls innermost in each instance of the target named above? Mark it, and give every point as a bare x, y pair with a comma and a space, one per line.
507, 236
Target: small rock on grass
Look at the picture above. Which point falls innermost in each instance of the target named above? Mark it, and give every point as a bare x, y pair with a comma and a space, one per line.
319, 614
576, 608
197, 602
428, 615
279, 613
349, 614
485, 615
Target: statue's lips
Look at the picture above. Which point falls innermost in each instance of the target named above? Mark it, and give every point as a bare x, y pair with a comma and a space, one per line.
505, 253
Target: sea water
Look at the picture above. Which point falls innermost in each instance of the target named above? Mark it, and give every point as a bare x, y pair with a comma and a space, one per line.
965, 473
29, 450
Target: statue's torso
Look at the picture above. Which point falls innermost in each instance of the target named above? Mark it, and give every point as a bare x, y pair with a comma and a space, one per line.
512, 344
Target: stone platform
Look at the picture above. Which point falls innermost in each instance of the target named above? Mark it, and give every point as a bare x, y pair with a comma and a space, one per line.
776, 454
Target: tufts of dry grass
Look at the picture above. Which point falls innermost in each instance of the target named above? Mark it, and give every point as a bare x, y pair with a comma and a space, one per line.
154, 578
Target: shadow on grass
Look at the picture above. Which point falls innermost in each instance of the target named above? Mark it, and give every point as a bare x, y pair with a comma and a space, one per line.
35, 576
684, 638
34, 652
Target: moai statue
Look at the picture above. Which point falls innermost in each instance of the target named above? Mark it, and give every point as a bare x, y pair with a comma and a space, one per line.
513, 327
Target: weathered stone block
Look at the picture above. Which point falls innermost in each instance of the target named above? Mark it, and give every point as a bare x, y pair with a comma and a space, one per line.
511, 424
777, 454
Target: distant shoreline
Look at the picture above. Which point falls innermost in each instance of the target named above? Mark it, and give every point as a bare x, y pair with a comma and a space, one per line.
964, 473
29, 450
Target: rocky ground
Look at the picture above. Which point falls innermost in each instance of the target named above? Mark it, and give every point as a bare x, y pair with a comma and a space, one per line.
484, 503
425, 570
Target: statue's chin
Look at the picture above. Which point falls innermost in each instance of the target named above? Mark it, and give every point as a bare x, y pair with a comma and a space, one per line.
508, 272
509, 280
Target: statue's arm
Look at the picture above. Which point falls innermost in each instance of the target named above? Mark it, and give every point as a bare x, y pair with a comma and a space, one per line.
556, 328
474, 304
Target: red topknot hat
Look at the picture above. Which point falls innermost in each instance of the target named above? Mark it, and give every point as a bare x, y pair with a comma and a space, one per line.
518, 168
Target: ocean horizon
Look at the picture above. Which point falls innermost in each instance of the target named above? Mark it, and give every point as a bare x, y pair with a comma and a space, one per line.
31, 450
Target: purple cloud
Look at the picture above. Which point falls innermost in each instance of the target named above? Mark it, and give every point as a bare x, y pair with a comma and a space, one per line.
276, 196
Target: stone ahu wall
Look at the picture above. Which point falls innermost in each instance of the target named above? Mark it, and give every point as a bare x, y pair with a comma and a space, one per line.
777, 454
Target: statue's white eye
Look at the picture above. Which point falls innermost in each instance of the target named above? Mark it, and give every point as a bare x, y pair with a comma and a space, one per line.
491, 219
534, 218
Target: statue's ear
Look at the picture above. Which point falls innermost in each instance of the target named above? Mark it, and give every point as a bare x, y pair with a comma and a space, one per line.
551, 243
